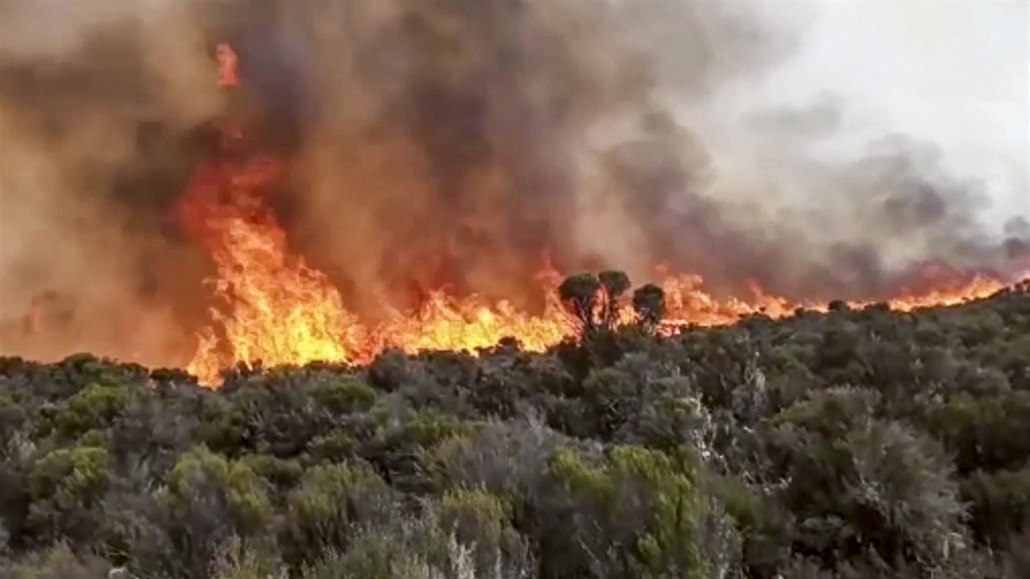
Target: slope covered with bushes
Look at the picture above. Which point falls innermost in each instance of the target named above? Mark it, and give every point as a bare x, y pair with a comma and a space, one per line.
851, 444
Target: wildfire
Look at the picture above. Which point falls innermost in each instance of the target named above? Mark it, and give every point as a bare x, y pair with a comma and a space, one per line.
275, 308
945, 286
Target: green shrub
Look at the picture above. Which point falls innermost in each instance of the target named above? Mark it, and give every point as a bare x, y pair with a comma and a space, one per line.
634, 513
999, 505
56, 562
65, 486
333, 447
328, 505
233, 483
482, 523
12, 417
91, 408
855, 482
237, 559
344, 396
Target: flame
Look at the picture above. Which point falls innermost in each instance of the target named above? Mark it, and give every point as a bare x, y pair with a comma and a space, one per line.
276, 309
977, 287
280, 310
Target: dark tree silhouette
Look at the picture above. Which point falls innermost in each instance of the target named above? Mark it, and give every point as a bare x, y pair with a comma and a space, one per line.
649, 302
579, 293
615, 284
838, 306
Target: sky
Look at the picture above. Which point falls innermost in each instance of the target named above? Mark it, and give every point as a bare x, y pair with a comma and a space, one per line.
954, 73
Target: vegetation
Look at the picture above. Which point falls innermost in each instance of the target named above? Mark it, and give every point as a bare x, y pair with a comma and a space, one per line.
851, 444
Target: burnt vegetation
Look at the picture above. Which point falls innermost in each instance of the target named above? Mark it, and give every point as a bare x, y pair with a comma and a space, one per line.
847, 444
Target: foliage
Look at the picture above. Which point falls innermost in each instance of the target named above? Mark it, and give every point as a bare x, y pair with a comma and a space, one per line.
649, 303
632, 514
846, 444
237, 560
56, 562
329, 502
65, 486
579, 293
614, 283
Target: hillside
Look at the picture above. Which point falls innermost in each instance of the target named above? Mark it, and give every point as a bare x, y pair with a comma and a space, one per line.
849, 444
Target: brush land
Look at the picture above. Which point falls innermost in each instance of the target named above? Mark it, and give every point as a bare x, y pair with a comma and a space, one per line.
851, 444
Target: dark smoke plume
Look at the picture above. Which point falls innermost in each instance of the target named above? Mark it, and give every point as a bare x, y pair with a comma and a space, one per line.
435, 142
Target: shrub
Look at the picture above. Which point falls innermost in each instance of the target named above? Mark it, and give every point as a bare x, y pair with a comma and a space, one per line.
93, 407
236, 559
328, 505
856, 482
56, 562
344, 396
208, 498
65, 486
633, 513
999, 505
481, 522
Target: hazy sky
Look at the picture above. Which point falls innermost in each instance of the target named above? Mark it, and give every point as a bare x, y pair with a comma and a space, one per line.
951, 72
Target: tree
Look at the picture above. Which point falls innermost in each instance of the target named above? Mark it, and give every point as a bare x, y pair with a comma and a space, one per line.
649, 303
579, 293
615, 284
838, 306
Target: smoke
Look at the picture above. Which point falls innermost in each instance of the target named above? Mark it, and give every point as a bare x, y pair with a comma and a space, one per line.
463, 139
89, 94
443, 142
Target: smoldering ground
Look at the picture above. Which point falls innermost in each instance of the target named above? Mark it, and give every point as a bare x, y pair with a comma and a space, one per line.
437, 142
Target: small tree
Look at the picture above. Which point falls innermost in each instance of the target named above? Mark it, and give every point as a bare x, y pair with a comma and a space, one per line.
838, 306
649, 303
579, 293
615, 284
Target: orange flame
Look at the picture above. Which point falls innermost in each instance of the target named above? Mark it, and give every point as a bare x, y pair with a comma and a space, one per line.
278, 310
